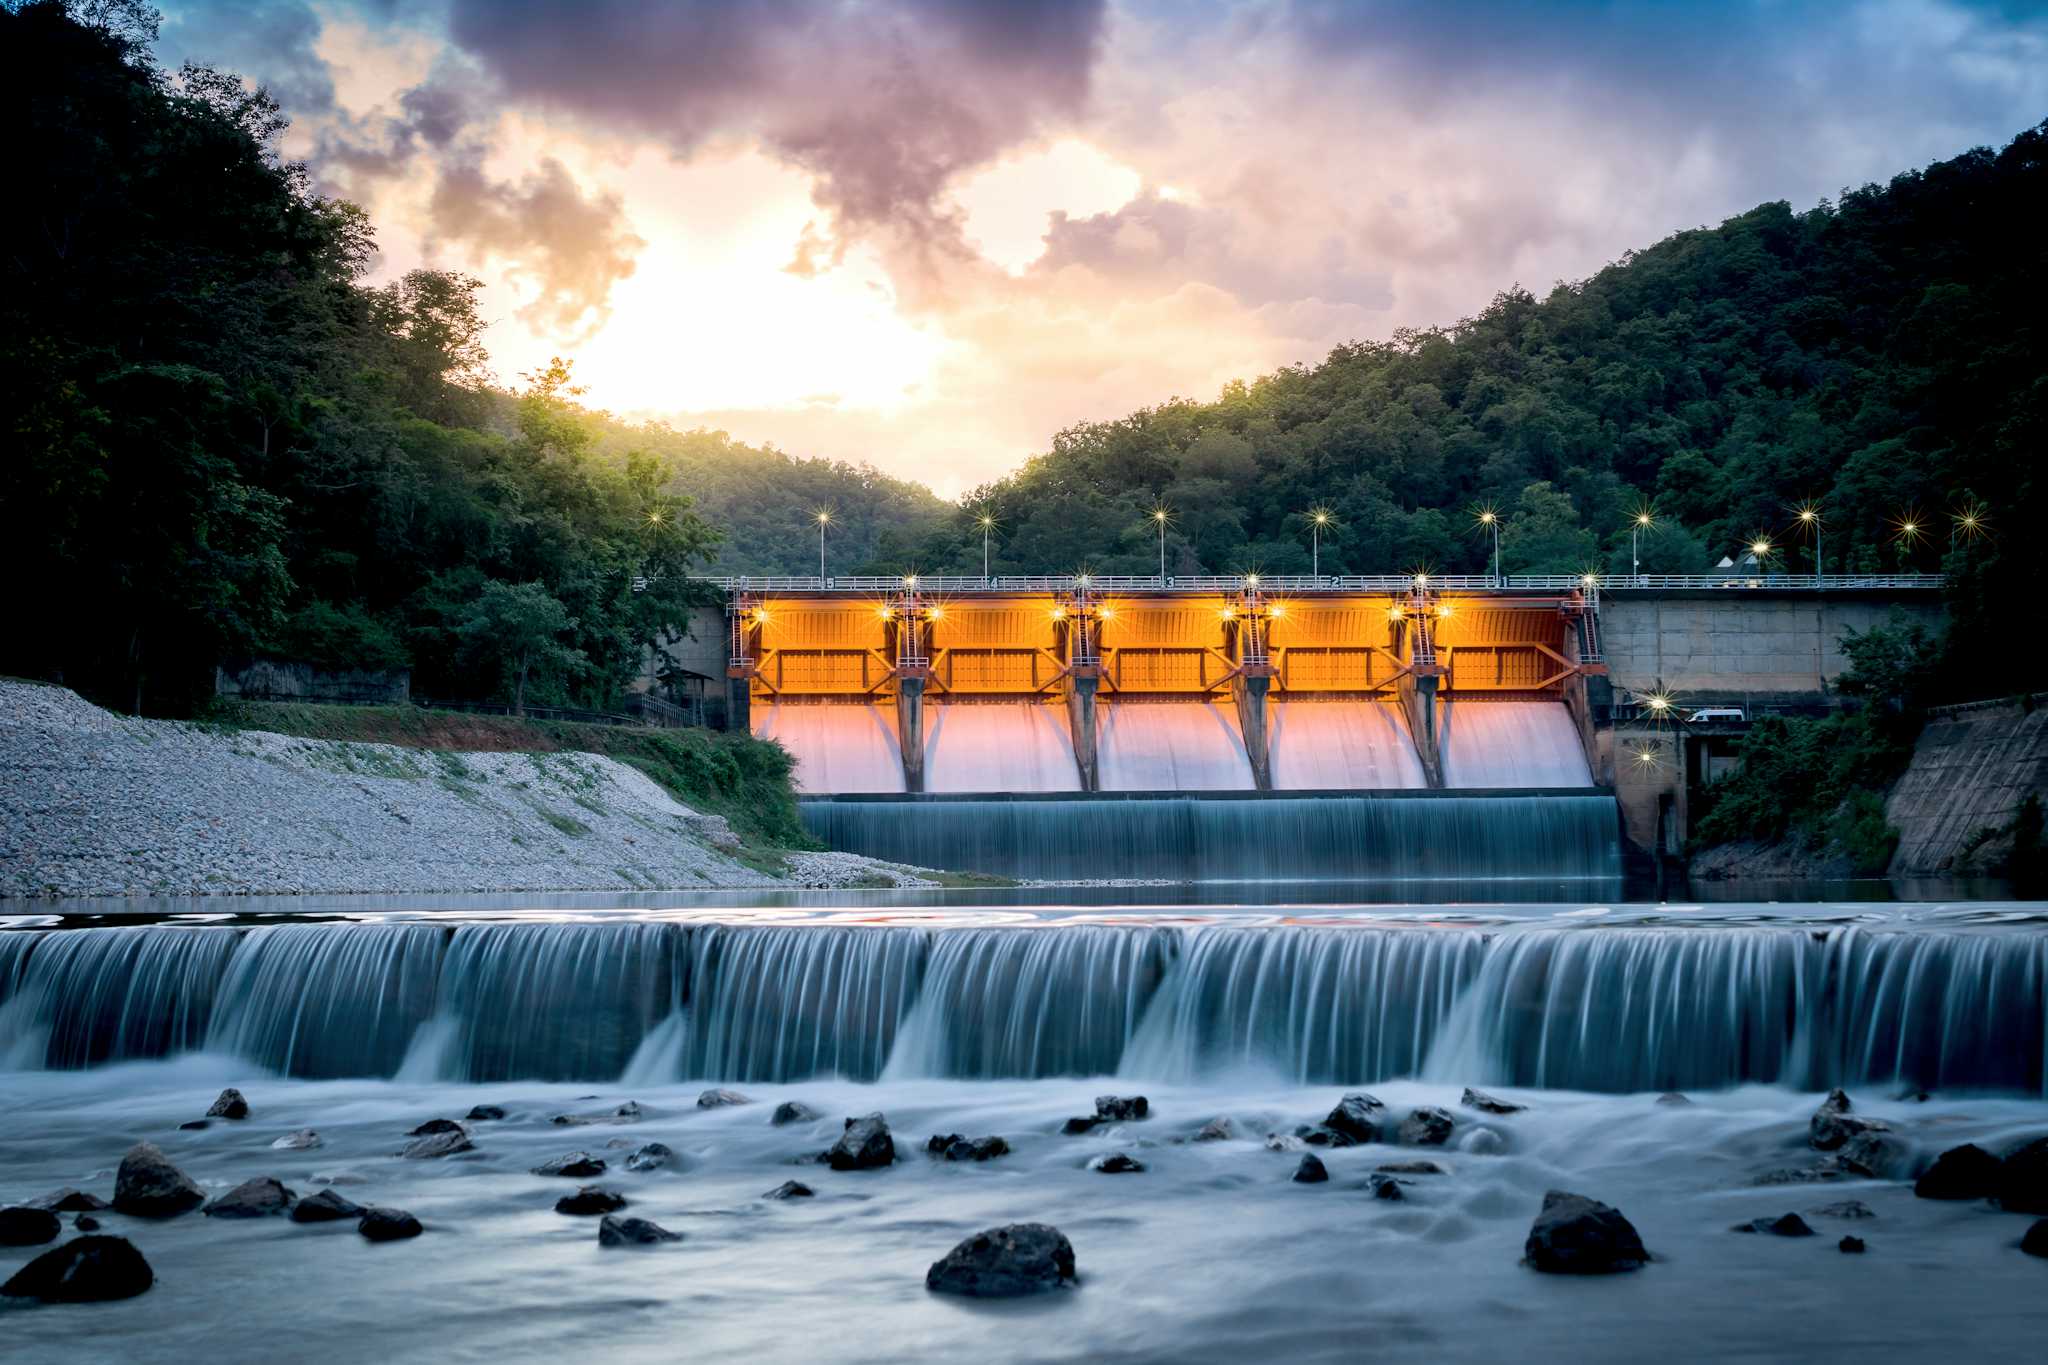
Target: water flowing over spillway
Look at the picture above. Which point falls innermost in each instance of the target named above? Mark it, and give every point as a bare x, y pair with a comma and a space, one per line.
1608, 1009
1331, 745
1180, 746
838, 746
998, 746
1511, 744
1558, 841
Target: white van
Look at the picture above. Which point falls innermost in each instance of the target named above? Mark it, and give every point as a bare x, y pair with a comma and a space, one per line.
1707, 713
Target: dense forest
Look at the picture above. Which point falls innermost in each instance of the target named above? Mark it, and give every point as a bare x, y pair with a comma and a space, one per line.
226, 441
223, 441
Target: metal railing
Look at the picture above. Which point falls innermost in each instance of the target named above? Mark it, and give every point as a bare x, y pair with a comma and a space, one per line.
1331, 583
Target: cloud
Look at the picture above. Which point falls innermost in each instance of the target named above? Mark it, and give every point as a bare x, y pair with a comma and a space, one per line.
274, 41
566, 248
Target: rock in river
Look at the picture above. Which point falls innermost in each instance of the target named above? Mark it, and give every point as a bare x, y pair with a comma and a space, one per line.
1117, 1163
957, 1147
26, 1227
589, 1200
576, 1165
1311, 1171
864, 1145
2023, 1180
793, 1111
628, 1232
325, 1207
229, 1105
2035, 1243
68, 1200
1965, 1172
432, 1126
83, 1270
721, 1099
1490, 1104
651, 1156
388, 1225
484, 1113
263, 1197
1427, 1127
1005, 1262
1122, 1108
1833, 1124
149, 1186
1574, 1235
438, 1144
301, 1140
1785, 1225
1355, 1119
790, 1189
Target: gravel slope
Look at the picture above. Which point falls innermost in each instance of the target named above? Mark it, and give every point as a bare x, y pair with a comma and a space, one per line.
95, 804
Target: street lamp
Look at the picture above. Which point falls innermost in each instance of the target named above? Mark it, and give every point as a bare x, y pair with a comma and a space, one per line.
1318, 518
1490, 519
1761, 549
1810, 518
987, 522
1161, 516
824, 519
1645, 520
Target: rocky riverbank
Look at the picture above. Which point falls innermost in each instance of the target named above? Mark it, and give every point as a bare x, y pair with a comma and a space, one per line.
96, 804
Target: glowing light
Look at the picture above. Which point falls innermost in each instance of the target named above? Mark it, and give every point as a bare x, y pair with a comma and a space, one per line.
1909, 528
1970, 520
1588, 580
1251, 580
1443, 611
1320, 516
985, 521
760, 616
1059, 613
883, 612
1229, 615
1394, 613
1658, 702
823, 516
910, 580
656, 517
1107, 614
1645, 520
1278, 611
1160, 515
1760, 548
938, 613
1422, 580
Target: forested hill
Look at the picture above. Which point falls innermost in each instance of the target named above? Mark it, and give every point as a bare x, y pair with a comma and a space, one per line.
1881, 358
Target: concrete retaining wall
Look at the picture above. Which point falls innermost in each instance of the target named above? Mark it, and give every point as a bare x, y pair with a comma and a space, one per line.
284, 680
1972, 768
1757, 644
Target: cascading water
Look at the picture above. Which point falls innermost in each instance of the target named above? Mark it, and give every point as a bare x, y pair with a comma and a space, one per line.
1391, 837
1596, 1008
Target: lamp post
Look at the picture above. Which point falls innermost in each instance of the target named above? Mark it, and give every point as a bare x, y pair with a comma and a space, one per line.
987, 524
1318, 518
824, 519
1491, 521
1644, 520
1161, 516
1761, 548
1809, 517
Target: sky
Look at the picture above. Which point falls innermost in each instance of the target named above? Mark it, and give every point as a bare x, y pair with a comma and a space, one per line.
929, 234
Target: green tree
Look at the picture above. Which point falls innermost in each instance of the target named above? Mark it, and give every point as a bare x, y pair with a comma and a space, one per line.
516, 630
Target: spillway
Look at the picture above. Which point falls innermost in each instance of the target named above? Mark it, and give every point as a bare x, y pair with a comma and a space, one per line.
838, 746
1010, 746
1337, 745
1511, 744
1605, 1009
1178, 746
1556, 840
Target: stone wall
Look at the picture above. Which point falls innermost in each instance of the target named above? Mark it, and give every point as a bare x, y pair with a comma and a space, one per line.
285, 680
1954, 807
1705, 645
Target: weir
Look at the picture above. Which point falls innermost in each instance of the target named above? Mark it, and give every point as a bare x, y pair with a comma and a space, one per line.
1604, 1009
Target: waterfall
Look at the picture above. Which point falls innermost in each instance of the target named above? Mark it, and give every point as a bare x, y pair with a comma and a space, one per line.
1586, 1007
1392, 837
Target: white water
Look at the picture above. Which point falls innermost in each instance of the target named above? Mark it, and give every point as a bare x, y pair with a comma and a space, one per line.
1334, 745
838, 747
998, 747
1170, 746
1211, 1254
1511, 744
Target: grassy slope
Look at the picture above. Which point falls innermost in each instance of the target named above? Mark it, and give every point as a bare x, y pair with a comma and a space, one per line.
744, 779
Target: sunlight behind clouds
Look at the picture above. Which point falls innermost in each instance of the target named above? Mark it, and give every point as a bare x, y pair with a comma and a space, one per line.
1009, 205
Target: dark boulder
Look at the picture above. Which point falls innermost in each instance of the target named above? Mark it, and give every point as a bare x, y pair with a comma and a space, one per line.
1965, 1172
650, 1156
388, 1225
1873, 1154
149, 1186
83, 1270
1319, 1135
483, 1113
1216, 1130
1834, 1123
1074, 1127
575, 1165
1850, 1246
1420, 1166
325, 1207
793, 1111
1311, 1171
590, 1200
85, 1222
2023, 1180
1847, 1208
1785, 1225
432, 1126
1356, 1118
299, 1140
229, 1105
1117, 1163
1427, 1127
68, 1200
790, 1189
1385, 1187
262, 1197
865, 1144
438, 1145
26, 1227
1574, 1235
955, 1147
1671, 1099
1122, 1108
1490, 1104
633, 1232
629, 1112
194, 1125
2035, 1243
1005, 1262
722, 1099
